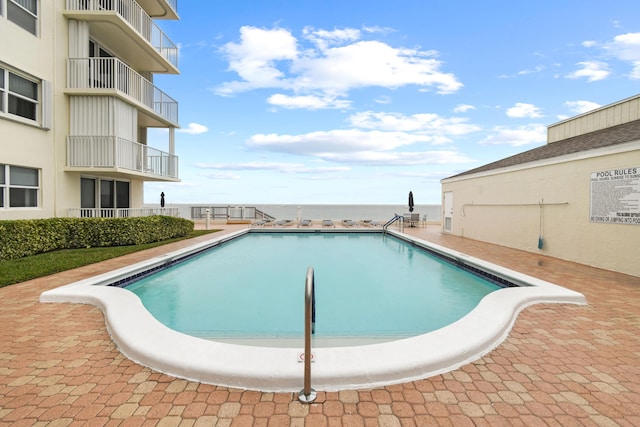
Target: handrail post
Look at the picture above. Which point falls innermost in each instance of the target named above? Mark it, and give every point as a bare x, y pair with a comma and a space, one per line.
307, 394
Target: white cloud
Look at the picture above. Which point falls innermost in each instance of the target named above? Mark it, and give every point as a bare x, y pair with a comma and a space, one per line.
404, 158
221, 175
521, 135
463, 108
323, 38
194, 129
589, 43
333, 64
536, 69
432, 124
373, 63
308, 102
255, 58
580, 107
320, 143
521, 109
591, 70
272, 166
626, 47
357, 146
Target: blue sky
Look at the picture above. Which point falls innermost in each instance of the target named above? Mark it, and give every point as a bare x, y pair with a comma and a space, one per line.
358, 102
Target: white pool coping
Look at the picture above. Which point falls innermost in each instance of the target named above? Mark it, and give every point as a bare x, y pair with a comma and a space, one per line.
145, 340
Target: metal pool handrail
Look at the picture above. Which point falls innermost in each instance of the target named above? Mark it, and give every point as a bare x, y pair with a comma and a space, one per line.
307, 394
394, 219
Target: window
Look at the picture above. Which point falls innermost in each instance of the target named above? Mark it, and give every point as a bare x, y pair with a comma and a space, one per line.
24, 13
19, 187
18, 95
106, 194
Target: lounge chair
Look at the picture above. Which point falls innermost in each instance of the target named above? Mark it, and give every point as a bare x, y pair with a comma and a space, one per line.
349, 223
281, 223
328, 223
305, 223
259, 223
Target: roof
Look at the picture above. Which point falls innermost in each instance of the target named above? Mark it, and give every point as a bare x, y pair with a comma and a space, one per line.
602, 138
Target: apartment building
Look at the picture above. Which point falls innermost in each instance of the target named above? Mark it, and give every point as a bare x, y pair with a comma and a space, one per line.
77, 99
575, 198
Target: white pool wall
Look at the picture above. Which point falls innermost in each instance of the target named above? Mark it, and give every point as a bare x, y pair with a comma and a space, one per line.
145, 340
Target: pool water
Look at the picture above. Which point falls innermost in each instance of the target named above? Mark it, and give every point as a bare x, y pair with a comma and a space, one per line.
368, 285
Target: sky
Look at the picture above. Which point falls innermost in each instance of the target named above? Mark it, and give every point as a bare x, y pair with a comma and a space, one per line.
360, 102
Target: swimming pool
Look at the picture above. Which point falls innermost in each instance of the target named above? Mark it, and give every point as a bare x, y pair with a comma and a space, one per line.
145, 340
370, 287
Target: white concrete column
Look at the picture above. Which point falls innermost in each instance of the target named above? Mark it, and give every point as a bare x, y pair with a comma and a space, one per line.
172, 141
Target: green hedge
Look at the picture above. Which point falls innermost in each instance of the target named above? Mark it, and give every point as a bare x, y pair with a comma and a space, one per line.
22, 238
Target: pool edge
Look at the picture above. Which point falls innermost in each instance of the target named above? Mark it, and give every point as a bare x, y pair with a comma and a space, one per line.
152, 344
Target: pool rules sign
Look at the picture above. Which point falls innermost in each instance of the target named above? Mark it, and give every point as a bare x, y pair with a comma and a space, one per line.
615, 196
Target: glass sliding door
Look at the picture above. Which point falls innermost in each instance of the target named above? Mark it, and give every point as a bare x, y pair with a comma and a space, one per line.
107, 199
122, 196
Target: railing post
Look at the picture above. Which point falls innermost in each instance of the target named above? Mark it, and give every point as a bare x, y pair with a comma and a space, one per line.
307, 394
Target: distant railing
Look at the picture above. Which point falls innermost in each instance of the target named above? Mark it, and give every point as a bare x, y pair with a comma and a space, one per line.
111, 73
134, 15
228, 212
121, 212
115, 152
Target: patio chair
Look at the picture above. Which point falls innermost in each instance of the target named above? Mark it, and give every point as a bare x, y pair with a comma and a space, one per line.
305, 223
414, 220
328, 223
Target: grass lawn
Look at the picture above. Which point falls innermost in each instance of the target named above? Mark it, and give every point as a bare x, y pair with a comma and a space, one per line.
32, 267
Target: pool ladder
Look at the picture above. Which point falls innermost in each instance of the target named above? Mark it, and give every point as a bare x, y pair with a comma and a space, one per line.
395, 218
307, 394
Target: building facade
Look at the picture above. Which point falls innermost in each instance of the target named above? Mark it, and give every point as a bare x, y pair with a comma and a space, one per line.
576, 198
76, 101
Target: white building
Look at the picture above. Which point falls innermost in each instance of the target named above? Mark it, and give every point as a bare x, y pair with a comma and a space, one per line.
575, 198
76, 100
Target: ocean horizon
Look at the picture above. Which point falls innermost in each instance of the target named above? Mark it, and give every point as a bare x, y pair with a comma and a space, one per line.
375, 212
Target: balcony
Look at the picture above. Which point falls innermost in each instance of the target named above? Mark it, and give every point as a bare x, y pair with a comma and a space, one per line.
129, 32
160, 9
105, 76
117, 156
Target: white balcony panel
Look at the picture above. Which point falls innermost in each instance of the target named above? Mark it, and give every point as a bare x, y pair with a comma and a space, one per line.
160, 9
122, 25
110, 75
119, 155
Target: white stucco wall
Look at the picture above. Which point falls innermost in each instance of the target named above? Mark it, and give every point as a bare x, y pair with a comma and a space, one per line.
502, 207
24, 142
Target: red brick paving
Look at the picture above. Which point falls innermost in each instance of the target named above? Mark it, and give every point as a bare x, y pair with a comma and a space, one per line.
562, 365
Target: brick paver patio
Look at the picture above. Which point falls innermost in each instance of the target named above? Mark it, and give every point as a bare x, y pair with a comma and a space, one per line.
562, 365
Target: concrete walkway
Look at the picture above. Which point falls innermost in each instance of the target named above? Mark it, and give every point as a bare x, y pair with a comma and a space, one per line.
562, 365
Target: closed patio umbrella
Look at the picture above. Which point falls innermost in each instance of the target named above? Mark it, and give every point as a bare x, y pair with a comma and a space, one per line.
410, 201
162, 199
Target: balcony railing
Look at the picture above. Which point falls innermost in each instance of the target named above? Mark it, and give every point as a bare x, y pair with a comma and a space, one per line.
111, 73
112, 152
131, 12
121, 212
